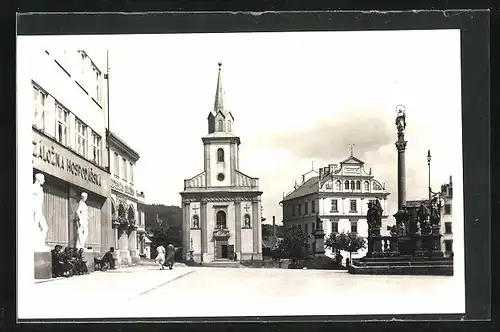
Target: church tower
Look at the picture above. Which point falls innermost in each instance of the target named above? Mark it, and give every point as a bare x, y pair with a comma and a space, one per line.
221, 205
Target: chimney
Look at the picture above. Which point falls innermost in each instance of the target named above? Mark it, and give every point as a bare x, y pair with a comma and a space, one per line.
274, 226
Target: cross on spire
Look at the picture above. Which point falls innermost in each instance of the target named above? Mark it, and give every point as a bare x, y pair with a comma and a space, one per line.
219, 93
351, 147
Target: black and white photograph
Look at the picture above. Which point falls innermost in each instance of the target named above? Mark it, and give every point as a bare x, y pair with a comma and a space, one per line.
240, 174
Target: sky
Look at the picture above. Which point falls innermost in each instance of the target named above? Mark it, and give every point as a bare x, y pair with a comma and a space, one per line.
298, 99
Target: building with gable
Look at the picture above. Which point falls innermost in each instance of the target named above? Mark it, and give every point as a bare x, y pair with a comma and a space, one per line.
339, 196
221, 205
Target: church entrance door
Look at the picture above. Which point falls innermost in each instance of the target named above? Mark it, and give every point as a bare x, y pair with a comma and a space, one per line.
224, 251
221, 249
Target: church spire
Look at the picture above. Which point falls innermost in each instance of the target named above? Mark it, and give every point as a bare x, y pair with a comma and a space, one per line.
219, 93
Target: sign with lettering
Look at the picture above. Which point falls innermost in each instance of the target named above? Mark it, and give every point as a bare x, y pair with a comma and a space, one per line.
119, 186
352, 170
50, 157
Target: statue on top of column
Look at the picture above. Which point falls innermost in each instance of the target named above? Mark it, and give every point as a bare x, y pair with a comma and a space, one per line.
82, 222
435, 215
401, 118
41, 227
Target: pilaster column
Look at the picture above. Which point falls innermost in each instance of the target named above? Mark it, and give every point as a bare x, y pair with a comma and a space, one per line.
132, 245
232, 153
204, 231
186, 226
237, 241
255, 224
206, 148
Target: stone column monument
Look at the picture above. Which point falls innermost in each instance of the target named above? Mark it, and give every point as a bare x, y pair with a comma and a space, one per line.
319, 238
82, 222
42, 256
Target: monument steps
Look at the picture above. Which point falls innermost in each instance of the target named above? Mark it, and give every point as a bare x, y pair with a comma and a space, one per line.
437, 270
222, 263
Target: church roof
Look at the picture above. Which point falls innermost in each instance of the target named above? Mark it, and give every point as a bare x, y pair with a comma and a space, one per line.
307, 188
219, 94
352, 160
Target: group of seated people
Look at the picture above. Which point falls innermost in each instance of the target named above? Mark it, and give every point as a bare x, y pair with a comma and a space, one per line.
107, 261
68, 262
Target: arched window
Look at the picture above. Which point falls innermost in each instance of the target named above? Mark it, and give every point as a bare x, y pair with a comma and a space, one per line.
121, 211
221, 219
352, 185
367, 186
221, 125
346, 185
338, 185
358, 185
131, 214
229, 125
220, 155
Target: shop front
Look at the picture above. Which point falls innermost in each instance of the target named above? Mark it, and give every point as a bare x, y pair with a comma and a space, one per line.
67, 176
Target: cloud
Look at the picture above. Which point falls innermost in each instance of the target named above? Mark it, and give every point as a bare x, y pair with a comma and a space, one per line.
330, 137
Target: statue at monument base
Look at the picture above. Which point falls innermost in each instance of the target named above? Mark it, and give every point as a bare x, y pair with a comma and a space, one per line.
82, 222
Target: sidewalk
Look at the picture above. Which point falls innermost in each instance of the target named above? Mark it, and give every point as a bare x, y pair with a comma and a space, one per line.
97, 291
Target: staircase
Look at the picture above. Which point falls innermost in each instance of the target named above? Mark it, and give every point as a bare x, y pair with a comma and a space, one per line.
403, 266
222, 263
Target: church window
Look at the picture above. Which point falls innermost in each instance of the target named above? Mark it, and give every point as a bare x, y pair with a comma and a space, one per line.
358, 185
220, 177
221, 219
220, 125
220, 155
367, 186
196, 221
346, 185
338, 185
229, 126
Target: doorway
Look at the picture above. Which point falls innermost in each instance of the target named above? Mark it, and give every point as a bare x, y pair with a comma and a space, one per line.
224, 251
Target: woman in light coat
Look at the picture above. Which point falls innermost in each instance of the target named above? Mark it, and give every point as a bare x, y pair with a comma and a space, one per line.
160, 258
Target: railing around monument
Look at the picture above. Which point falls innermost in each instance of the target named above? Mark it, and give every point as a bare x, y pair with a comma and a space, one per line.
389, 246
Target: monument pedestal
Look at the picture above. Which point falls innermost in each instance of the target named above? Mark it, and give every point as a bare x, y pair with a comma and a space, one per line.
134, 256
43, 264
319, 242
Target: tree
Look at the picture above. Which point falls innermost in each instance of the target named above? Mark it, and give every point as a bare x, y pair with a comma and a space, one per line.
350, 242
295, 243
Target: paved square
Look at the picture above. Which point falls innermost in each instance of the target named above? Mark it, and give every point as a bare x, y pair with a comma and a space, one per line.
210, 292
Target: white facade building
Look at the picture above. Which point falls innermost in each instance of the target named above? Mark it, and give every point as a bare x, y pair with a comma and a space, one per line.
339, 195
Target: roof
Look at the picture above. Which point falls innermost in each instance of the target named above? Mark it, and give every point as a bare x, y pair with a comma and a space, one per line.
116, 141
352, 160
307, 188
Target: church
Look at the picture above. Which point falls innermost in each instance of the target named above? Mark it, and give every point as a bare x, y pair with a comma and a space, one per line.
221, 206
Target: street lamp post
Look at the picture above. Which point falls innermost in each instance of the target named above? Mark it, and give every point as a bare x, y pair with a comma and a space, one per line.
429, 167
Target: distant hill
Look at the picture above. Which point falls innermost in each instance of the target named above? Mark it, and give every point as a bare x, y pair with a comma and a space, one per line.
170, 214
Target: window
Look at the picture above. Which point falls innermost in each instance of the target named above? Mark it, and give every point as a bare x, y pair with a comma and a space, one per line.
335, 227
229, 126
448, 245
306, 208
220, 155
313, 227
98, 85
447, 228
131, 171
313, 207
300, 209
221, 219
447, 209
346, 185
81, 138
358, 185
124, 169
293, 210
352, 185
40, 102
354, 226
334, 206
367, 186
221, 125
353, 206
307, 228
62, 125
116, 165
96, 148
338, 185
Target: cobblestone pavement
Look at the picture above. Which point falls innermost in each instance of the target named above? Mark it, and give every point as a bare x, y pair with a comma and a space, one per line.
211, 292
